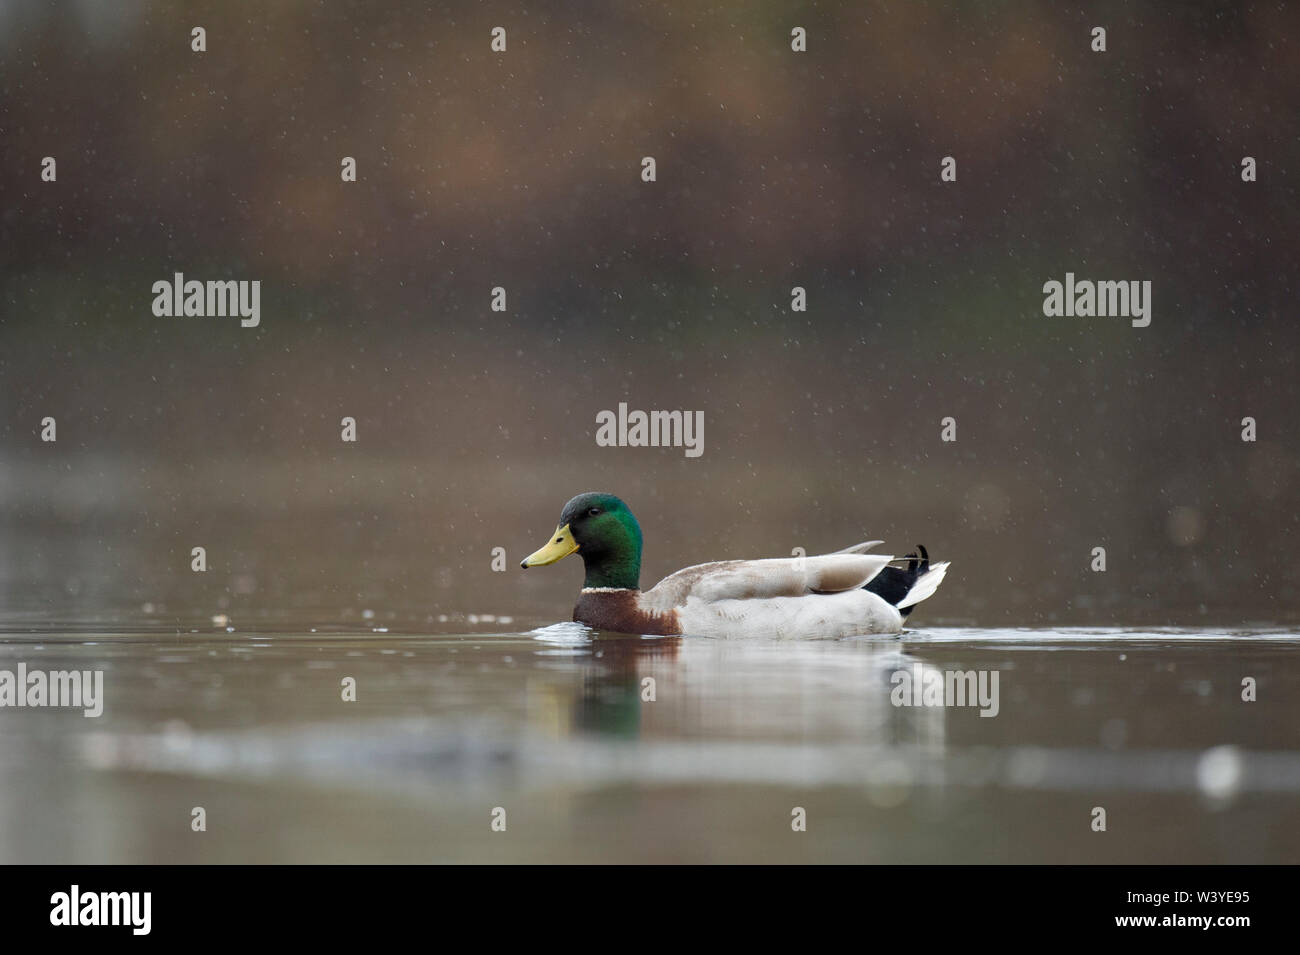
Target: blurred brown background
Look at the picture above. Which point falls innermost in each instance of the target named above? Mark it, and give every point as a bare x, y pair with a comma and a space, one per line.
522, 170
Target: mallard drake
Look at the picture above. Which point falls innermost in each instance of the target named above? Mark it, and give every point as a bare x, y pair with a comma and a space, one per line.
834, 595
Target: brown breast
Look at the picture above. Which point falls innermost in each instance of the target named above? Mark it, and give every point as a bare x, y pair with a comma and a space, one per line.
620, 610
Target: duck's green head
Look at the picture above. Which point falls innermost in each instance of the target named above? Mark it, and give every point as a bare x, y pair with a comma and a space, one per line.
604, 533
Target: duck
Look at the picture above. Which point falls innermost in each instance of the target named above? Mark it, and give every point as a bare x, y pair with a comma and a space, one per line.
830, 596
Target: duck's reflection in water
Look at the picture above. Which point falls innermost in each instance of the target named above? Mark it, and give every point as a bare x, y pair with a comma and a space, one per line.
621, 677
621, 687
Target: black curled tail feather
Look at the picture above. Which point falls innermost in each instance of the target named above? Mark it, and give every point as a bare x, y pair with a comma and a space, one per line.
895, 583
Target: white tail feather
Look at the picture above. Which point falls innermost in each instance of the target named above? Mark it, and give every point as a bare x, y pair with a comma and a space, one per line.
925, 585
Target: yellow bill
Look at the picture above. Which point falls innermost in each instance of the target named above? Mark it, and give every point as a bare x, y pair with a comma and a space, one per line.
561, 545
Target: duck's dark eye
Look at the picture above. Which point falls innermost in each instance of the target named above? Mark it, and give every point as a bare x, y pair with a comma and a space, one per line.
593, 512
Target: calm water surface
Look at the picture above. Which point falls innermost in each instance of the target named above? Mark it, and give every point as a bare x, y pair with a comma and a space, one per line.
551, 726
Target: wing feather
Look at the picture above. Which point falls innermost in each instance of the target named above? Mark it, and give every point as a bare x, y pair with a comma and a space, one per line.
759, 579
